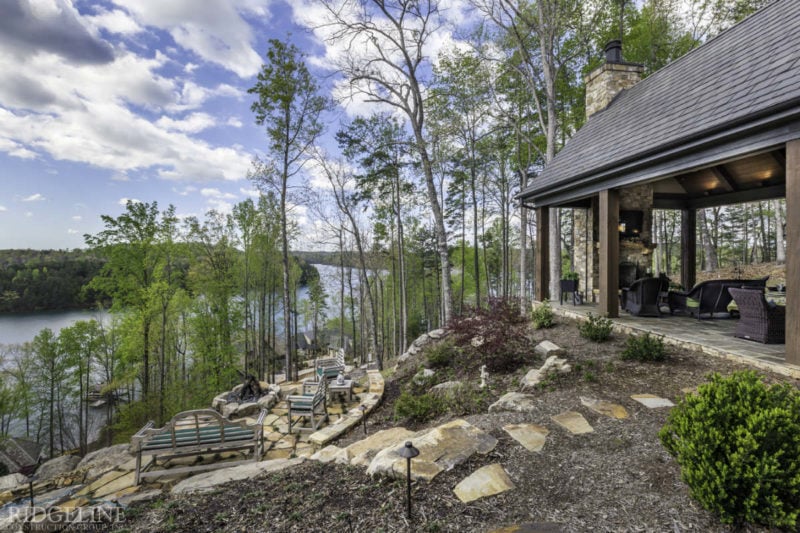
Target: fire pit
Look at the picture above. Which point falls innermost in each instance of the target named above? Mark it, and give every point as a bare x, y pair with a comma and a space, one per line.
247, 398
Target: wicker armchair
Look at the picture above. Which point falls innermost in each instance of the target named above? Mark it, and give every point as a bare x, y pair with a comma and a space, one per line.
758, 320
643, 296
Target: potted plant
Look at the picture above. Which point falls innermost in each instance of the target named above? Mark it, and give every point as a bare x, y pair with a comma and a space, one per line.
569, 282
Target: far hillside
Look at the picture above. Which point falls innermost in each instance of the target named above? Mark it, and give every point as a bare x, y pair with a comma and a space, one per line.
34, 280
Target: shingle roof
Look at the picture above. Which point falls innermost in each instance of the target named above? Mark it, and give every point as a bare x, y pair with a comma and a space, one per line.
743, 73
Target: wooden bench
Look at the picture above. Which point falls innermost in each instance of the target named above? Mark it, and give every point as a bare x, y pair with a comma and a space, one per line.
309, 403
193, 433
330, 367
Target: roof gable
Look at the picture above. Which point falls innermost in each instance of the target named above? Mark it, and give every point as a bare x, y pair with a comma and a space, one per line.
745, 72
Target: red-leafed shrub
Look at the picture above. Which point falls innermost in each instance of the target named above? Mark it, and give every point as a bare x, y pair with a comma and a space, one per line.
495, 336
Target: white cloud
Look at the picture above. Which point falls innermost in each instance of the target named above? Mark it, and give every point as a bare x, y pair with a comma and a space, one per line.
3, 208
77, 218
234, 122
185, 191
28, 214
124, 201
120, 176
194, 123
252, 193
36, 197
215, 30
217, 194
72, 231
116, 21
15, 149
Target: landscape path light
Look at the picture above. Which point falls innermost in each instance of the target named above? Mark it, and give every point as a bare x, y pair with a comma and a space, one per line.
409, 452
363, 409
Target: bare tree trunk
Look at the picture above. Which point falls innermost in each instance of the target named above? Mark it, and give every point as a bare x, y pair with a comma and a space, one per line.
780, 248
709, 251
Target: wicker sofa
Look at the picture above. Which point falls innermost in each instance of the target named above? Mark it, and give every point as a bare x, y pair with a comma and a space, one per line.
709, 297
759, 320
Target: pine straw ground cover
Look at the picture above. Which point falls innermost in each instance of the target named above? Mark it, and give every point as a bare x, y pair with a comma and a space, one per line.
618, 478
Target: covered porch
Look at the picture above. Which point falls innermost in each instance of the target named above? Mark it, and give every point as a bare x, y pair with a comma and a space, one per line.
704, 131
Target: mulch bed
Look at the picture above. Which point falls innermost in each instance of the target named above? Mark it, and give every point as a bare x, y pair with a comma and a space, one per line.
618, 478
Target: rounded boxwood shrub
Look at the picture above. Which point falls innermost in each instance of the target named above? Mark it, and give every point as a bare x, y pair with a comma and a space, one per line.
644, 348
417, 407
738, 444
596, 328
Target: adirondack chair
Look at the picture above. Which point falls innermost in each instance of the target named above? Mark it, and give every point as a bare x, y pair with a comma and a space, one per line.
330, 367
311, 404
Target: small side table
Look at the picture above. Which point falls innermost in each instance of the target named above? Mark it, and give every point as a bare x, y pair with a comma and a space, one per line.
346, 387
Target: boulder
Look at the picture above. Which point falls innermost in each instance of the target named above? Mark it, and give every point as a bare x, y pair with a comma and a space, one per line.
554, 365
547, 348
421, 341
105, 459
12, 480
515, 401
55, 467
440, 449
437, 334
229, 409
445, 389
330, 453
268, 401
248, 409
207, 481
362, 452
420, 377
219, 402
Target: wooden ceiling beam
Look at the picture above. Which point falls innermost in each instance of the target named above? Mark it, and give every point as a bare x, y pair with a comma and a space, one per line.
725, 177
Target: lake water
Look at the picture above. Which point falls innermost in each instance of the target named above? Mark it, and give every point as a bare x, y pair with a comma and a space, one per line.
19, 328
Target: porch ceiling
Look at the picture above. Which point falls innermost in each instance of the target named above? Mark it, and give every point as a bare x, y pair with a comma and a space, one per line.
758, 177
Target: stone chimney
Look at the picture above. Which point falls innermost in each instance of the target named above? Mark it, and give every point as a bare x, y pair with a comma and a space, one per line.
610, 79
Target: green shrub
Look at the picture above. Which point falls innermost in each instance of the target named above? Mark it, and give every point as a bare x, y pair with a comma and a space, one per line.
738, 444
417, 407
441, 354
645, 348
542, 316
597, 328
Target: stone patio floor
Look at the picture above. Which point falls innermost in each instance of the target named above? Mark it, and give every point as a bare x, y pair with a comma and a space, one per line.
713, 336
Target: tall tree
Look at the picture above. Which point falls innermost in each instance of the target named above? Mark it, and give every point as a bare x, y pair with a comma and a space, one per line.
549, 36
385, 60
289, 105
131, 242
381, 148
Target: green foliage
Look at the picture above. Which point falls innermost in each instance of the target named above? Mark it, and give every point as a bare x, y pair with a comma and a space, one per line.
35, 280
417, 408
738, 444
542, 316
644, 348
596, 328
442, 354
570, 276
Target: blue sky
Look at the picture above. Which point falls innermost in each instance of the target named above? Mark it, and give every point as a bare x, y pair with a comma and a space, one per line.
105, 101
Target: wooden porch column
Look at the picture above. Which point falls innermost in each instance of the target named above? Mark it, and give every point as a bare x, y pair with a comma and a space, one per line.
541, 280
792, 251
608, 225
688, 247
